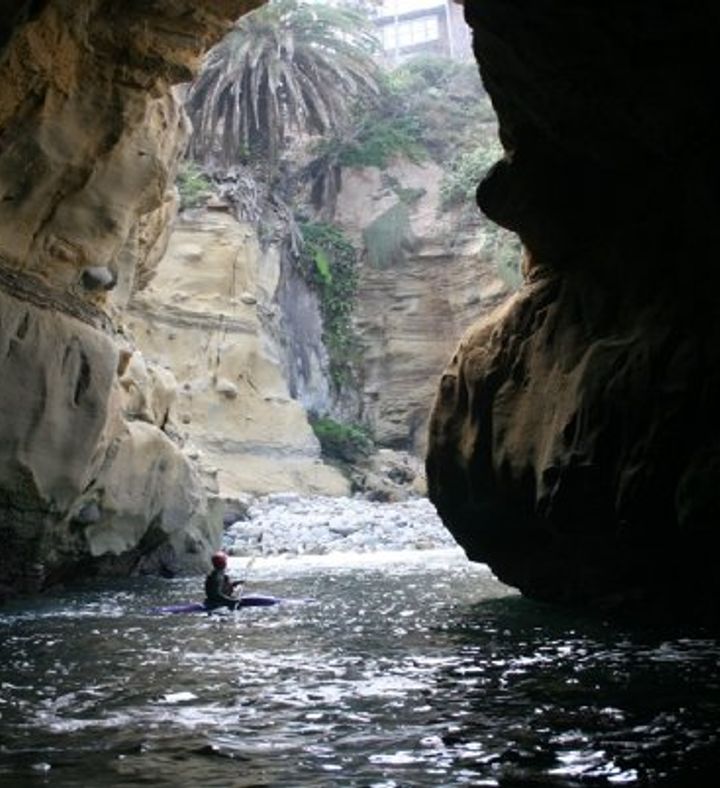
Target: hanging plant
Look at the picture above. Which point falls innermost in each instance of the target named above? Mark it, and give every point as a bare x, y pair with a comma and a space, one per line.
328, 262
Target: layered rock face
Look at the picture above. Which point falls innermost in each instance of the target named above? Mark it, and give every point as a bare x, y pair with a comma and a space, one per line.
210, 315
89, 135
574, 441
411, 312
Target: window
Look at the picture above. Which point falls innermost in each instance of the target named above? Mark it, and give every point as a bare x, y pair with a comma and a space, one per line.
405, 34
411, 32
425, 29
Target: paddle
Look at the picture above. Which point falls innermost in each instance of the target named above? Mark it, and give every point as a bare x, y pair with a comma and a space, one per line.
241, 583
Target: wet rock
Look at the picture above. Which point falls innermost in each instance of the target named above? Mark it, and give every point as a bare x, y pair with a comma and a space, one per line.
343, 529
98, 278
283, 498
88, 513
235, 509
320, 525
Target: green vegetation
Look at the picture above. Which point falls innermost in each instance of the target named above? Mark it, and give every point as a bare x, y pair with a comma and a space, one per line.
389, 236
464, 173
410, 196
328, 262
298, 66
427, 107
194, 186
375, 141
396, 122
447, 97
507, 255
423, 72
345, 443
287, 65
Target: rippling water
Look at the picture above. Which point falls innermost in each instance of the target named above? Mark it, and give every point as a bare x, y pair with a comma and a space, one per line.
410, 670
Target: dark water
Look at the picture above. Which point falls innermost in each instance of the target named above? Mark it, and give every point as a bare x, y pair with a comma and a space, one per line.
405, 673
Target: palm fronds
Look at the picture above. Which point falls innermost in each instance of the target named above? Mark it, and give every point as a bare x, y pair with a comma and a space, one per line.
289, 65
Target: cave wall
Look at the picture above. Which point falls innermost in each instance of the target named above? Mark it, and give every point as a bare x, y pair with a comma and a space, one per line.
574, 442
90, 131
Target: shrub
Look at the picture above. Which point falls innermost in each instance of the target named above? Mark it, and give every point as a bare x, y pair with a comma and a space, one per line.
375, 140
461, 180
389, 236
448, 100
380, 140
348, 443
506, 252
424, 71
193, 185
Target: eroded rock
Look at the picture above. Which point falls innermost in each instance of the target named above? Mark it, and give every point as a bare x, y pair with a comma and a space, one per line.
574, 437
410, 314
91, 131
233, 400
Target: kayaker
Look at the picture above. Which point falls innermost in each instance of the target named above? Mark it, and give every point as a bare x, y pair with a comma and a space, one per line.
219, 588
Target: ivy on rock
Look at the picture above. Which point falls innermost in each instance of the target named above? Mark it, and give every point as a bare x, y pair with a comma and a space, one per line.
328, 263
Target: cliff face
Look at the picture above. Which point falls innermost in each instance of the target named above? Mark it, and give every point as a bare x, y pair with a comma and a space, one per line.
574, 441
412, 310
242, 333
89, 134
211, 315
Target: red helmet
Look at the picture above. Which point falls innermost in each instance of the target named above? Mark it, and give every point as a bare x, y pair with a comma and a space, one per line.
219, 560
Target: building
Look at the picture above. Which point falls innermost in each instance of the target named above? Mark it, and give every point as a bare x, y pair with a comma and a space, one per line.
433, 27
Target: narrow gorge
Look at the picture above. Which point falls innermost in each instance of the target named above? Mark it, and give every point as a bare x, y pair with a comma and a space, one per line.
165, 361
573, 444
413, 341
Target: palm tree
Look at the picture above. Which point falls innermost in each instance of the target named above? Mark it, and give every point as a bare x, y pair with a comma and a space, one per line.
289, 64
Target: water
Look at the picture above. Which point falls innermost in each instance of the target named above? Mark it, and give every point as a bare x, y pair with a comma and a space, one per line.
406, 669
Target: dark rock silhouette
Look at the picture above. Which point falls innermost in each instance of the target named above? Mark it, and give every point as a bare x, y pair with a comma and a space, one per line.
575, 443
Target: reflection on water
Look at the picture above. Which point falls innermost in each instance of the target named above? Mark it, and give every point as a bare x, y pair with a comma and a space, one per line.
414, 671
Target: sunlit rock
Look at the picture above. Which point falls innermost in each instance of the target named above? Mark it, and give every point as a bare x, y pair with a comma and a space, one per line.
149, 390
91, 131
147, 492
233, 399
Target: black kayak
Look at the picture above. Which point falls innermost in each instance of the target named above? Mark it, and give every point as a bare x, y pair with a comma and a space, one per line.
249, 600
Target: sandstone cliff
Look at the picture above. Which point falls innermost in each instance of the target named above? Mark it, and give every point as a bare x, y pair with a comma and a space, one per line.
241, 331
90, 133
411, 312
211, 316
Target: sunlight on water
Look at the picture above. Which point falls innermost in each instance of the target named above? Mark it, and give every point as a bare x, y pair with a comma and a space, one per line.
402, 669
